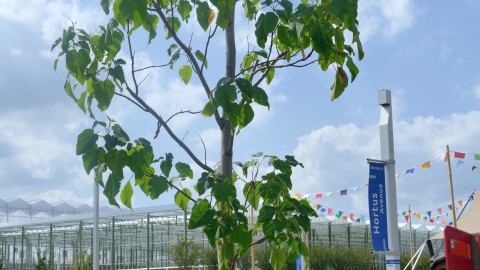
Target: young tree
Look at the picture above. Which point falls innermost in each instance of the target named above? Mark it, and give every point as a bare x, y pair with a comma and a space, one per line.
288, 34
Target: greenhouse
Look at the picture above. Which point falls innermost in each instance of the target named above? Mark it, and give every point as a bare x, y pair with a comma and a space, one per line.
142, 238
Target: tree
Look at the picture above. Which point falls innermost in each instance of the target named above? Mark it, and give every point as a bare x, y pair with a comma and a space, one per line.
288, 34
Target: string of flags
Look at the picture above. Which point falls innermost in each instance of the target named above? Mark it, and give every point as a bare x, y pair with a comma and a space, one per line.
427, 216
459, 156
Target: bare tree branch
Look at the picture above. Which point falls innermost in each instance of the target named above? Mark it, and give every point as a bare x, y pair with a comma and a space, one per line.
159, 126
204, 149
132, 57
131, 100
210, 36
191, 57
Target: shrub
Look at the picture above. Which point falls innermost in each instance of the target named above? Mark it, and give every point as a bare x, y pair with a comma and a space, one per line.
41, 263
422, 264
210, 259
82, 261
322, 257
186, 254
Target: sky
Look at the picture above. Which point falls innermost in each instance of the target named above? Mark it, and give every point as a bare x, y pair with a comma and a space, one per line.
425, 52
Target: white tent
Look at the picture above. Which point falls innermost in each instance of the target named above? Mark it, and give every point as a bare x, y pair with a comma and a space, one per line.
469, 221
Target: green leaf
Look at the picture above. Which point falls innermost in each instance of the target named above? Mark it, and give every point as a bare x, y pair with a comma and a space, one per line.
252, 196
209, 109
266, 24
139, 161
224, 191
86, 141
244, 239
92, 159
121, 135
184, 9
345, 11
203, 183
202, 214
68, 90
245, 87
352, 68
270, 75
184, 170
246, 115
201, 57
104, 92
117, 73
106, 5
278, 258
156, 186
225, 95
77, 62
185, 73
126, 195
339, 84
112, 188
166, 164
181, 200
260, 97
203, 12
266, 214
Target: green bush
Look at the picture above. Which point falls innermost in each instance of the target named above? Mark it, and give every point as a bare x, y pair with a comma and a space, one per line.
262, 258
41, 263
210, 259
322, 257
186, 254
82, 261
2, 258
245, 262
422, 264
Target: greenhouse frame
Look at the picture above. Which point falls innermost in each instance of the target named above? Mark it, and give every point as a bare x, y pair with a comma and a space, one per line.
140, 239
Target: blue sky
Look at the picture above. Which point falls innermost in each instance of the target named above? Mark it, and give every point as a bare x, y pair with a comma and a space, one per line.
426, 53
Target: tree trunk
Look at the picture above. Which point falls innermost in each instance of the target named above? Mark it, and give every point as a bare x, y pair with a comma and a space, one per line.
226, 150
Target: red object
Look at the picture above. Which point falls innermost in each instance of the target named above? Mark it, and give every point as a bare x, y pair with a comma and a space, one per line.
459, 155
457, 249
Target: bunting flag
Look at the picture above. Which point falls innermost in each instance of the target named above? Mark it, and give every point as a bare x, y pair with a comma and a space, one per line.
344, 218
459, 155
297, 196
439, 210
397, 175
406, 217
330, 211
426, 165
460, 202
474, 167
329, 194
476, 156
418, 215
460, 162
318, 195
306, 196
429, 213
323, 210
343, 192
409, 171
351, 215
450, 206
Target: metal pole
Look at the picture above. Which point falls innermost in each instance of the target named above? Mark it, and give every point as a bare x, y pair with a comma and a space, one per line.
113, 244
410, 222
95, 224
387, 154
451, 189
21, 250
50, 261
148, 241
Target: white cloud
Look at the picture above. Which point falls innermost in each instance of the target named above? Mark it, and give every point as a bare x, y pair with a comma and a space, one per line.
51, 16
388, 17
335, 159
476, 92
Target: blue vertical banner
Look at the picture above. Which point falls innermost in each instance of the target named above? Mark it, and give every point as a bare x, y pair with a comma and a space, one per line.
298, 262
377, 205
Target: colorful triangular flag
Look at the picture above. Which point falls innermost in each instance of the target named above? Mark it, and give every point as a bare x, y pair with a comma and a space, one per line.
460, 162
476, 156
426, 165
318, 195
439, 210
409, 171
343, 192
459, 155
406, 217
297, 196
429, 213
